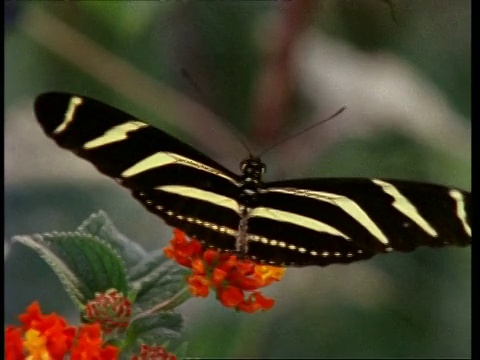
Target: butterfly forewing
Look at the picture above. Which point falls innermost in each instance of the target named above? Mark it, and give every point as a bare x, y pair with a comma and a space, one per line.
296, 222
169, 177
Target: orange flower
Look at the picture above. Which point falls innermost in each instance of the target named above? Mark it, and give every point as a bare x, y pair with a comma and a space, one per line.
154, 353
225, 273
89, 345
182, 249
198, 266
269, 273
210, 256
13, 344
218, 276
48, 337
198, 285
256, 301
230, 296
46, 333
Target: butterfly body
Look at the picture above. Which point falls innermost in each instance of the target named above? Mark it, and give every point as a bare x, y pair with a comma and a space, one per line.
302, 222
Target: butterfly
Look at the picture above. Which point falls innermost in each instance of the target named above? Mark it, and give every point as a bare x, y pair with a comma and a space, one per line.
314, 221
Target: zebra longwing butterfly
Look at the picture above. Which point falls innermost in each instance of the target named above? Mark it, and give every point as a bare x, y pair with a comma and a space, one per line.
293, 223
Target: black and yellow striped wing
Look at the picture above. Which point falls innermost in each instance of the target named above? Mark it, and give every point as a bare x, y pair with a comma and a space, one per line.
340, 220
169, 177
296, 222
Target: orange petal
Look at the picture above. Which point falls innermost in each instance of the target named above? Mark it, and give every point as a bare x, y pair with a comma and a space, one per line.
198, 285
210, 256
13, 343
265, 303
246, 267
198, 267
33, 314
218, 275
230, 296
245, 283
269, 273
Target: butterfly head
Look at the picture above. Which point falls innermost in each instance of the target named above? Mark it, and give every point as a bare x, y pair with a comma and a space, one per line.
253, 167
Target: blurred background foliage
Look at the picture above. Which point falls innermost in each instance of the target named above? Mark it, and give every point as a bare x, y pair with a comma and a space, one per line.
266, 69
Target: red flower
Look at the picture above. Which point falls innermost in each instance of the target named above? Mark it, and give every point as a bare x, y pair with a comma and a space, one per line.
230, 296
154, 353
227, 275
256, 301
111, 309
13, 344
198, 285
182, 249
198, 266
49, 337
89, 345
218, 276
46, 334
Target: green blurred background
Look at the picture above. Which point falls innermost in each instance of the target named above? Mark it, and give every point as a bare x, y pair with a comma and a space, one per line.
404, 75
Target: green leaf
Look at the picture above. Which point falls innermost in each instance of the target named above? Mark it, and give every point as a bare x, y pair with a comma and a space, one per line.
100, 225
148, 265
181, 351
98, 257
161, 281
128, 19
152, 276
155, 329
84, 263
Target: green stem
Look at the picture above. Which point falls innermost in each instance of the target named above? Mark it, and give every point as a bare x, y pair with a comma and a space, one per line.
168, 304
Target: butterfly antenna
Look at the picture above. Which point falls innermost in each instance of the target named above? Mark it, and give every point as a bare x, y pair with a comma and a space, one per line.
290, 137
188, 77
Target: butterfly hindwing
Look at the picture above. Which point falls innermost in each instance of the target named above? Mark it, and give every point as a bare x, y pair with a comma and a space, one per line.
339, 220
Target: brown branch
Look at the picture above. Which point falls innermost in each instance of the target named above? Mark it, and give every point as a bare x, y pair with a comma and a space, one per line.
275, 85
117, 74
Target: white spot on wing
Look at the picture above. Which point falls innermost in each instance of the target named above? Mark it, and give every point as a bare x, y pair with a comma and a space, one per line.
402, 204
203, 195
299, 220
75, 102
344, 203
160, 159
461, 213
114, 134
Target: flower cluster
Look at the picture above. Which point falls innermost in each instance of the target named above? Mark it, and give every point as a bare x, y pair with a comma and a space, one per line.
110, 309
154, 353
229, 276
49, 337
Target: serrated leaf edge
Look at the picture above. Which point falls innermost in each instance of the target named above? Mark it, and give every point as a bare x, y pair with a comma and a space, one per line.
64, 274
76, 296
99, 214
